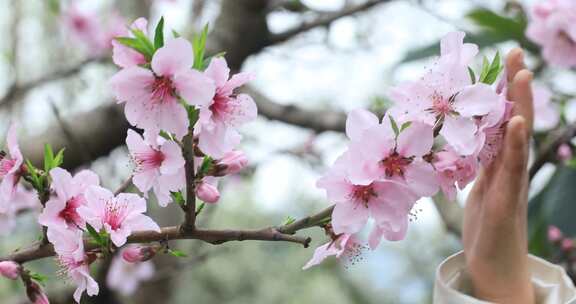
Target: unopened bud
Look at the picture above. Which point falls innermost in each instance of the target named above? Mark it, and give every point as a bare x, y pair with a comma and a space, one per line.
10, 270
136, 254
35, 293
567, 244
233, 162
554, 234
564, 152
207, 192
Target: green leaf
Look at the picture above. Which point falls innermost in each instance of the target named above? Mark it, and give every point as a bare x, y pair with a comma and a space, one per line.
491, 71
200, 208
38, 277
554, 205
206, 164
59, 158
159, 34
472, 75
405, 125
192, 113
394, 125
485, 68
48, 157
199, 48
289, 220
177, 253
135, 44
178, 198
175, 34
54, 6
94, 235
166, 135
487, 19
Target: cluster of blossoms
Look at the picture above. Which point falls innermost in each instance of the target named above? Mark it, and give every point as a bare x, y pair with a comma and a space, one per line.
156, 99
169, 96
552, 27
435, 137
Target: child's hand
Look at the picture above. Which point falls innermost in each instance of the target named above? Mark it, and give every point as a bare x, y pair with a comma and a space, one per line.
495, 243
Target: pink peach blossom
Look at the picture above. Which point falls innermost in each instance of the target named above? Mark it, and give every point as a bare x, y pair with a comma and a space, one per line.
552, 27
125, 277
69, 247
23, 199
225, 112
152, 97
118, 215
546, 113
124, 56
383, 156
454, 171
60, 211
344, 246
385, 200
11, 169
158, 165
446, 97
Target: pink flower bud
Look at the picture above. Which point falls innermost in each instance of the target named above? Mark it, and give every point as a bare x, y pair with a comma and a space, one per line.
35, 293
554, 234
207, 192
135, 254
564, 152
567, 244
10, 270
233, 162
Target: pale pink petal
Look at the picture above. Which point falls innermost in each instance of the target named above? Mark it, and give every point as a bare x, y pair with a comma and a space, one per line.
173, 159
416, 140
125, 57
12, 143
196, 88
477, 99
132, 84
320, 254
135, 203
349, 217
421, 178
84, 179
236, 81
247, 109
218, 70
61, 181
358, 121
136, 143
218, 141
142, 223
144, 179
174, 119
176, 55
459, 133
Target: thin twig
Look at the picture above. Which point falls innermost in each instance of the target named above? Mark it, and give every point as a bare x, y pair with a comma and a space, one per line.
190, 207
548, 152
82, 147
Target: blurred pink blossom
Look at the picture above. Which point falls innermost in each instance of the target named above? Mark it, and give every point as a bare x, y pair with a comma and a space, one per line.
552, 27
125, 277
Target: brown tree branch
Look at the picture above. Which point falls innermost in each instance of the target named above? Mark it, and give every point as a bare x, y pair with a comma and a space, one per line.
190, 207
324, 20
16, 92
40, 251
548, 152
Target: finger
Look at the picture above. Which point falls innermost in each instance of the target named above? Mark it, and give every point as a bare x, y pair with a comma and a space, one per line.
520, 92
514, 63
514, 162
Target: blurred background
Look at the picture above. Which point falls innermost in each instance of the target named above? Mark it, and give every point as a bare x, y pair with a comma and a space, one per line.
314, 60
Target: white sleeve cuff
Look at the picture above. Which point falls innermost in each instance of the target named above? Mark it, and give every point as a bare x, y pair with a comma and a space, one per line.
551, 284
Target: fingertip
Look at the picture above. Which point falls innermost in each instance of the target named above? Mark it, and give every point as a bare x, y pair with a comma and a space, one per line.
521, 94
516, 142
514, 63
